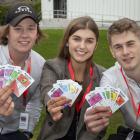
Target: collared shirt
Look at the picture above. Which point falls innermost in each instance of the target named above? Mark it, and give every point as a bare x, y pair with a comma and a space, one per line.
113, 77
33, 107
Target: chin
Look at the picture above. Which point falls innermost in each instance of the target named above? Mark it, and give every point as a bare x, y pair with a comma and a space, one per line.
129, 68
80, 61
24, 51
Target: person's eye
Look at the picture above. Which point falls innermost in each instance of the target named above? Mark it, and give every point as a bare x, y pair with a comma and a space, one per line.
117, 47
76, 38
130, 44
17, 29
90, 41
32, 28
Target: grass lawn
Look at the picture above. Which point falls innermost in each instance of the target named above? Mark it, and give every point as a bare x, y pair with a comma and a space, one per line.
49, 48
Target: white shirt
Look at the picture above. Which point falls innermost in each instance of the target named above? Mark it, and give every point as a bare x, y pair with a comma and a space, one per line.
11, 123
113, 77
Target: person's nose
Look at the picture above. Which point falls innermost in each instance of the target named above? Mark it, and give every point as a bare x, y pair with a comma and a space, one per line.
83, 44
24, 33
125, 50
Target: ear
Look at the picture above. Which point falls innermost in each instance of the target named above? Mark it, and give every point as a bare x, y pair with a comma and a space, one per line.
112, 52
7, 36
67, 45
96, 46
37, 38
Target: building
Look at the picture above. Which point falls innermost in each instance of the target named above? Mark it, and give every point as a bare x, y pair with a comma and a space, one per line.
58, 13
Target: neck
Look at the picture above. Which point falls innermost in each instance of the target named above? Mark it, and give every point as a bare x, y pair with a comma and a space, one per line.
135, 75
18, 58
79, 70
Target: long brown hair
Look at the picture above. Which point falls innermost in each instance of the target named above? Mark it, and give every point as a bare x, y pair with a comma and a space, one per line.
84, 22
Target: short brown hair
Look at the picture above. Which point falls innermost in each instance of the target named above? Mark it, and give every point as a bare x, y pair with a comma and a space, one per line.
84, 22
122, 25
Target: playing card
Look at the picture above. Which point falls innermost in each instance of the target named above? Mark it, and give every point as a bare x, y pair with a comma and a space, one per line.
13, 75
107, 96
21, 84
55, 92
94, 98
20, 79
67, 87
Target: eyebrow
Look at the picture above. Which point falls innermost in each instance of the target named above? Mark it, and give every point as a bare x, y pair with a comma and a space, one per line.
22, 25
80, 37
130, 41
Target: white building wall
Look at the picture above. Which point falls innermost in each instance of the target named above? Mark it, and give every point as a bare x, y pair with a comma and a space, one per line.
47, 9
104, 9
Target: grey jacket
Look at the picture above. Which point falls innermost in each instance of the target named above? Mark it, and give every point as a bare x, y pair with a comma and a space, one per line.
53, 70
11, 123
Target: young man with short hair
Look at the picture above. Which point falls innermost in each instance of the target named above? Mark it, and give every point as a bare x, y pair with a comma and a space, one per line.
124, 41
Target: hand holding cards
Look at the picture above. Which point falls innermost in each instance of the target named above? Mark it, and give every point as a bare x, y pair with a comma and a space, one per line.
68, 88
107, 96
20, 79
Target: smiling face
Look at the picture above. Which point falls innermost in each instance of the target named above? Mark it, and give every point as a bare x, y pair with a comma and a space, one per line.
22, 37
125, 47
82, 44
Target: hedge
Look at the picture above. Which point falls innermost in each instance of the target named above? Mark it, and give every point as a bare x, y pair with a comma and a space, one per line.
4, 8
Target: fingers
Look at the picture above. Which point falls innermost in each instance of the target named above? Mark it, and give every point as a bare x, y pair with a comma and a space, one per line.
4, 94
98, 125
96, 119
10, 109
92, 110
57, 116
55, 106
6, 103
7, 108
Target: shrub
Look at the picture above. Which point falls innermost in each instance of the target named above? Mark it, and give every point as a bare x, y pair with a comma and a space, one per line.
4, 9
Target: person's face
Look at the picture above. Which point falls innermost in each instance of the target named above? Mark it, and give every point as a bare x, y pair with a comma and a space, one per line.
23, 36
82, 45
125, 48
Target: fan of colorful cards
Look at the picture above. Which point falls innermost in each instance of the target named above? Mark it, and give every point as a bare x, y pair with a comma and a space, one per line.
18, 78
107, 96
67, 88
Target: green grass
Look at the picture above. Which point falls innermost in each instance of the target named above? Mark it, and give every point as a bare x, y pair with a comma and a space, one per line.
48, 48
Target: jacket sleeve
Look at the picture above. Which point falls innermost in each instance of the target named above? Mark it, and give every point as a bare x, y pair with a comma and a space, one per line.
48, 78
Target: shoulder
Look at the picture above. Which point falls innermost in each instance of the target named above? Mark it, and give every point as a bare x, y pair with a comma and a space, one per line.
37, 58
56, 63
112, 70
4, 54
99, 69
53, 69
98, 72
112, 76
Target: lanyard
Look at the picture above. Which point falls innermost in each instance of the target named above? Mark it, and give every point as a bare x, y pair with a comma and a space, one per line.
137, 111
80, 103
28, 64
